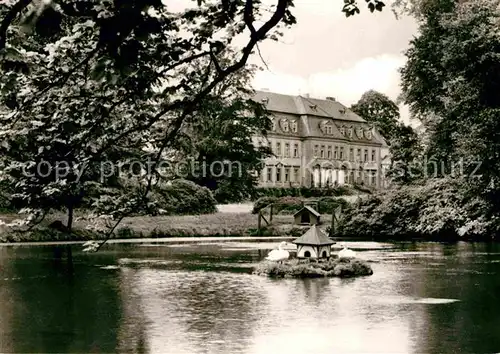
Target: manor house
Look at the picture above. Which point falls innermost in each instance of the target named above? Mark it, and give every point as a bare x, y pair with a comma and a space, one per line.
320, 143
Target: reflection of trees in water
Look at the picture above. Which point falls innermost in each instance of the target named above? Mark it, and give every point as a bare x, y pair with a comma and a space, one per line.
6, 303
472, 324
132, 331
52, 311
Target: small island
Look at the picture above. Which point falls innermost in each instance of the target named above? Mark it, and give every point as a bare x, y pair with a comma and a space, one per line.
314, 260
334, 267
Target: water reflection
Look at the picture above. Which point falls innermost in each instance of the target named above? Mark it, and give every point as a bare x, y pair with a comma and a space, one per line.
201, 299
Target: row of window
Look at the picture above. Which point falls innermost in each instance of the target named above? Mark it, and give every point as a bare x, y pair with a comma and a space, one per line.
292, 174
337, 153
287, 125
285, 174
290, 150
360, 132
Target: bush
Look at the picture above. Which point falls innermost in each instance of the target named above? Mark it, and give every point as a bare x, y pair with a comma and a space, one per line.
182, 197
263, 202
290, 205
306, 192
438, 210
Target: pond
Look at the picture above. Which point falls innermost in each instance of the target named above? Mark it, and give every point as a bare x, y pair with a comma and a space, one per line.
202, 298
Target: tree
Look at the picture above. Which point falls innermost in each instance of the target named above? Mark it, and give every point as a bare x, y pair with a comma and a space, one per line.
89, 82
377, 108
404, 144
452, 82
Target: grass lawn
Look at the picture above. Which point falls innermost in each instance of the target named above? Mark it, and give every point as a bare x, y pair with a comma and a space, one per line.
225, 223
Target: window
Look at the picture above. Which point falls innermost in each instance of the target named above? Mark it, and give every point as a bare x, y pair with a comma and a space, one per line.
351, 154
374, 178
295, 150
287, 174
336, 153
373, 155
278, 174
307, 254
329, 130
285, 125
342, 130
278, 148
316, 150
269, 174
365, 158
368, 134
350, 132
341, 152
322, 152
358, 155
294, 126
351, 177
273, 125
329, 154
297, 174
287, 150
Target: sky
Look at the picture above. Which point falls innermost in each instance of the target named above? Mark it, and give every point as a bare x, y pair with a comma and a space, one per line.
327, 54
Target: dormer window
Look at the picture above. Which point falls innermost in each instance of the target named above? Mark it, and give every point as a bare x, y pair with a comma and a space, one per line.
285, 125
342, 130
360, 133
313, 106
329, 130
350, 132
368, 134
294, 126
265, 100
273, 125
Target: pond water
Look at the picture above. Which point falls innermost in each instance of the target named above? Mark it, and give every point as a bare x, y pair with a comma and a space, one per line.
201, 298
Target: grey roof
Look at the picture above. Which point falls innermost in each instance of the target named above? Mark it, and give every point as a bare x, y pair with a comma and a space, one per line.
307, 207
314, 237
314, 114
300, 105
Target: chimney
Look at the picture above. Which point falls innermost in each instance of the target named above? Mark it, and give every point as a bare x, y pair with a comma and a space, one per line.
329, 98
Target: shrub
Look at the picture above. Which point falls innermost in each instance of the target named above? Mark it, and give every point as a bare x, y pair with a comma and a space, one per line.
438, 209
306, 192
182, 197
263, 202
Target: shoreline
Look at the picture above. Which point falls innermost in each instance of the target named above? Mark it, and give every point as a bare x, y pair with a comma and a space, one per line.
185, 239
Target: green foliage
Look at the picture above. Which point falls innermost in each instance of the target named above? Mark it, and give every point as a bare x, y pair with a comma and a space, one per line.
404, 144
109, 81
439, 209
290, 205
451, 82
334, 267
184, 197
377, 108
306, 192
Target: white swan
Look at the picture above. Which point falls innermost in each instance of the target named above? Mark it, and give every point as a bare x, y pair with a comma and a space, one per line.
278, 255
346, 253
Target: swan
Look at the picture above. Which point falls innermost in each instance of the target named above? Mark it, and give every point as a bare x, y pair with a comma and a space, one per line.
346, 253
278, 255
